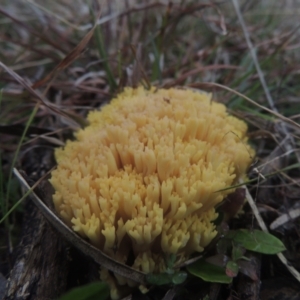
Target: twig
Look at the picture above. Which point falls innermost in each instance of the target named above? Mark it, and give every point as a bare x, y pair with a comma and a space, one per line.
264, 228
170, 294
290, 215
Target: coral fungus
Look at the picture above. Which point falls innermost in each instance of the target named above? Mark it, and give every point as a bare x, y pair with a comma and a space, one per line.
143, 179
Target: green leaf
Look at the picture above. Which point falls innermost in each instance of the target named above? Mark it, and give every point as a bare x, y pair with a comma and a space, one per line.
232, 269
159, 279
92, 291
170, 260
257, 241
237, 252
209, 272
166, 278
179, 277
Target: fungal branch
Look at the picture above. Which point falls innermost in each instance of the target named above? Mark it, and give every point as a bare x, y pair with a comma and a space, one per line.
140, 180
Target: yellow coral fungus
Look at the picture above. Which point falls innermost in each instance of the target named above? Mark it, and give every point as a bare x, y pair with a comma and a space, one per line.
141, 179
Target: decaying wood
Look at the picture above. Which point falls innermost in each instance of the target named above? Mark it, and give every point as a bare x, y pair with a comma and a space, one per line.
41, 266
2, 286
280, 288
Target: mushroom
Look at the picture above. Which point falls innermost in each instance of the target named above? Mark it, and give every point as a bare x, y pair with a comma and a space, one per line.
144, 178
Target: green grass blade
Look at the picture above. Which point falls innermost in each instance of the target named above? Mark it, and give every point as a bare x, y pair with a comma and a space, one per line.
156, 72
103, 54
7, 213
28, 123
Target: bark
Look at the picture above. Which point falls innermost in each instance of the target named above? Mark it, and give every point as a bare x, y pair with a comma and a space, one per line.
46, 265
41, 267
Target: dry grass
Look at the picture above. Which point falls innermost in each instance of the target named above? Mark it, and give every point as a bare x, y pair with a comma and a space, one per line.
56, 66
